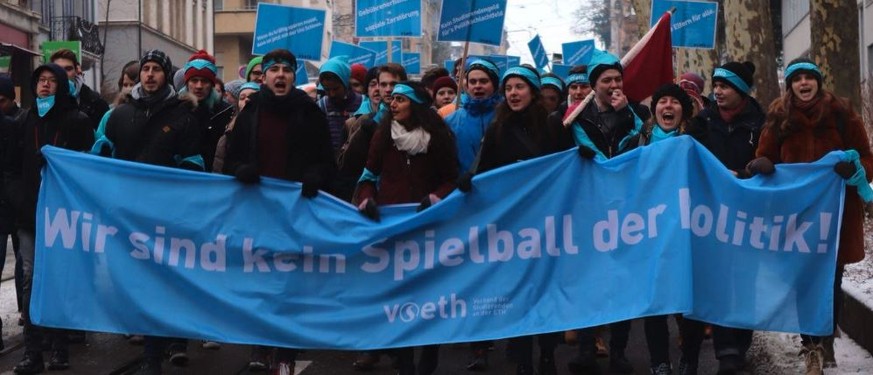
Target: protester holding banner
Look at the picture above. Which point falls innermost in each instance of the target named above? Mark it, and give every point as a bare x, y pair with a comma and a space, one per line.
444, 91
138, 131
520, 132
412, 156
672, 110
340, 101
552, 94
606, 127
89, 101
733, 125
212, 113
280, 133
475, 114
53, 119
803, 125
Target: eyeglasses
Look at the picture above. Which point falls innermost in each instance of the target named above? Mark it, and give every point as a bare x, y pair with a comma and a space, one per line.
51, 80
257, 73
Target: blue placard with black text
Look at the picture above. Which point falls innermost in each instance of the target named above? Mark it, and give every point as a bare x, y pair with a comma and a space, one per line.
479, 21
693, 23
412, 62
379, 18
577, 53
299, 30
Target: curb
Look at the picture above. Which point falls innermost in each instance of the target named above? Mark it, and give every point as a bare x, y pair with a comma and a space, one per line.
856, 320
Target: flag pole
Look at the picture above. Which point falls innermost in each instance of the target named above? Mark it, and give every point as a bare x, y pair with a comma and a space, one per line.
628, 57
462, 73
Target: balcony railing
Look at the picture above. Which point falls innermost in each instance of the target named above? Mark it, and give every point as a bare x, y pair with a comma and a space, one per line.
77, 28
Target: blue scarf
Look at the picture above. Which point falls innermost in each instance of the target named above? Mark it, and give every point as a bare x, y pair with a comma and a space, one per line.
44, 105
659, 134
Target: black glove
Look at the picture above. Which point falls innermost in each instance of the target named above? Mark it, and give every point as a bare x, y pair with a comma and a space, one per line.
40, 160
846, 169
465, 182
760, 165
247, 174
311, 181
425, 203
586, 152
370, 210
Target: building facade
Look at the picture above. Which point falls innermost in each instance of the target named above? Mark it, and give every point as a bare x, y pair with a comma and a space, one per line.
796, 32
25, 25
177, 27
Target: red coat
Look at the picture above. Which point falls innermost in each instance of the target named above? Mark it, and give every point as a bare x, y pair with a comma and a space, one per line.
809, 137
405, 178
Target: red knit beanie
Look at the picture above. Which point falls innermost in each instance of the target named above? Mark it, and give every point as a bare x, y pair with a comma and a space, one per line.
201, 64
359, 73
445, 81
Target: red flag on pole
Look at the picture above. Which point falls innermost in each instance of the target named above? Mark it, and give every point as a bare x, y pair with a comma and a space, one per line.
649, 64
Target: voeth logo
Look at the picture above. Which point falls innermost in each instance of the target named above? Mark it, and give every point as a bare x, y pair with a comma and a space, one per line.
443, 308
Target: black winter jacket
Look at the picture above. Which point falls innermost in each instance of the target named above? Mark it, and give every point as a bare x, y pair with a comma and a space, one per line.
212, 123
63, 126
92, 105
608, 139
164, 132
734, 143
309, 150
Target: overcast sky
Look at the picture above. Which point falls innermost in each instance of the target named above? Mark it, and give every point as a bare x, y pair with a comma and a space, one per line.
552, 19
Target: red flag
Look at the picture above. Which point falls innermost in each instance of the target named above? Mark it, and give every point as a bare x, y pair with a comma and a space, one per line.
649, 64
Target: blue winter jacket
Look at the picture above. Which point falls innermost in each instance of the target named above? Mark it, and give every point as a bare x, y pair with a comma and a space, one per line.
469, 124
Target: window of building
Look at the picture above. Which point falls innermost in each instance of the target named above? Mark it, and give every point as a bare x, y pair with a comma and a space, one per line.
251, 4
217, 5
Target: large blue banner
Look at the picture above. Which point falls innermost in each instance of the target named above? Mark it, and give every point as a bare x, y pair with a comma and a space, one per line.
381, 49
184, 254
577, 53
412, 62
299, 30
538, 52
356, 54
693, 23
379, 18
479, 21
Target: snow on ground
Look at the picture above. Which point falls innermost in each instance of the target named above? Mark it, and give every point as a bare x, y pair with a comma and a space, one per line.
858, 278
777, 354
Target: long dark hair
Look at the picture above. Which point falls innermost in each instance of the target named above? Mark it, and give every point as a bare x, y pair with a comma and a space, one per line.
421, 115
534, 115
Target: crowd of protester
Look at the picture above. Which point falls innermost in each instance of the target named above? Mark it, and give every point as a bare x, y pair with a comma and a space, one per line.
374, 137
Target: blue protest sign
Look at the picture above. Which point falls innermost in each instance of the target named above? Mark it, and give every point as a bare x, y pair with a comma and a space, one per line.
693, 23
540, 57
502, 62
299, 30
379, 18
301, 76
381, 49
577, 53
356, 54
450, 66
696, 241
562, 71
412, 62
479, 21
513, 61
